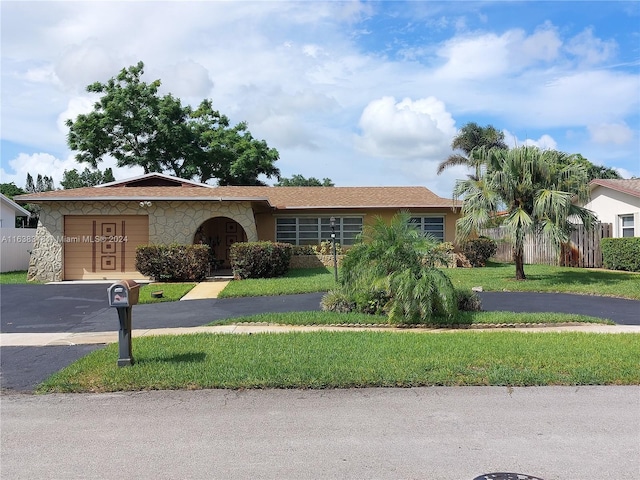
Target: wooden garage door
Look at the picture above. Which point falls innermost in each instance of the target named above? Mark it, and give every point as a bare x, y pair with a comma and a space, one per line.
103, 247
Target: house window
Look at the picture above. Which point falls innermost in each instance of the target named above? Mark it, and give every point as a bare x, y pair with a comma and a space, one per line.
315, 230
430, 225
626, 226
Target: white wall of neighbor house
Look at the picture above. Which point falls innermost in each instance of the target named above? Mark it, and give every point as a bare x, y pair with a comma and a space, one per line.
15, 243
617, 208
15, 247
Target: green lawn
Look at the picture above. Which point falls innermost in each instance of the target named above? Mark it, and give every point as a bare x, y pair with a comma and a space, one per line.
497, 277
357, 359
13, 278
303, 280
171, 292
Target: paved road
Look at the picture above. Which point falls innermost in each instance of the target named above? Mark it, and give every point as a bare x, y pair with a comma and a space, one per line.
553, 433
83, 308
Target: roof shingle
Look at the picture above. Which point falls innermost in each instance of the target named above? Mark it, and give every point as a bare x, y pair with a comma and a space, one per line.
157, 186
628, 186
279, 197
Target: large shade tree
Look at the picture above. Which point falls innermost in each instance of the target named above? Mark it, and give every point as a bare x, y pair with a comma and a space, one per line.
536, 188
137, 126
470, 137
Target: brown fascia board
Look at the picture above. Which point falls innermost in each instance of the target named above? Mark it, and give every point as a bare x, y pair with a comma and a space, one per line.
140, 198
364, 207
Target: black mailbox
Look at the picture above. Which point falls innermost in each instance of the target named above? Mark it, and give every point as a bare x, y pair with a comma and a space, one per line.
123, 295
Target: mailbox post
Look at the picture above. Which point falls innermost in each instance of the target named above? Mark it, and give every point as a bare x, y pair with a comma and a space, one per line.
123, 295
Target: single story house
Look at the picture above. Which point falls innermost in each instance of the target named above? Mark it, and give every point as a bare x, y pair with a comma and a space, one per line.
92, 232
617, 202
16, 242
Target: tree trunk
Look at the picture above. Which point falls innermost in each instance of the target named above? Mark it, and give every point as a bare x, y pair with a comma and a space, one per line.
518, 258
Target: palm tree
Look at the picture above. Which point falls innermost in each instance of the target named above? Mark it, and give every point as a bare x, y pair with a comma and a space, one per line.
387, 273
470, 137
536, 188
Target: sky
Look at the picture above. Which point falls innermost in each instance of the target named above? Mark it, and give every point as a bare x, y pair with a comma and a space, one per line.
364, 93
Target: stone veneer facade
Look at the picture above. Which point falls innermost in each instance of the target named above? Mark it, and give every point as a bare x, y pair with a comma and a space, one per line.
169, 222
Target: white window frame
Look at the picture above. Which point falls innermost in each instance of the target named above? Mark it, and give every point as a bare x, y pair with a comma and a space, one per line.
302, 224
622, 227
421, 222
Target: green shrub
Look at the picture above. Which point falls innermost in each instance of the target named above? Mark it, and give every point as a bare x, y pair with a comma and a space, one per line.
621, 253
260, 259
479, 250
391, 273
326, 248
173, 263
303, 250
337, 301
441, 256
421, 297
468, 300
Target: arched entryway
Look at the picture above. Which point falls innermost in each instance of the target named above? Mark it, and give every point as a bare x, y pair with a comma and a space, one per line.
220, 233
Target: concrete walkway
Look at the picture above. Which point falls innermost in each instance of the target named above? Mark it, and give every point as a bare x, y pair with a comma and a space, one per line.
95, 338
205, 290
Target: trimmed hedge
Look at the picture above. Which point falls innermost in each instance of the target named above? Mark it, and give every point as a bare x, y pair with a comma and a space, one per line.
479, 250
621, 253
260, 259
173, 263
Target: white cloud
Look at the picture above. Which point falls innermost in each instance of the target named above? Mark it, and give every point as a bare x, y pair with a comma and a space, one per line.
488, 55
75, 107
407, 129
543, 45
48, 165
187, 79
611, 133
38, 163
85, 63
590, 50
474, 57
545, 142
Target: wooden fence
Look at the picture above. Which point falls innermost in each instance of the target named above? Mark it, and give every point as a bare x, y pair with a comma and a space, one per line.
582, 251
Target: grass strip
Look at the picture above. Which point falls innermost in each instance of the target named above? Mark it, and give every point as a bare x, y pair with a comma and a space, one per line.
357, 359
171, 292
498, 277
463, 318
18, 277
299, 280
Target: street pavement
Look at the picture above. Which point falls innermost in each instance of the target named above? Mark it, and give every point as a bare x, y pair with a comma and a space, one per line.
433, 433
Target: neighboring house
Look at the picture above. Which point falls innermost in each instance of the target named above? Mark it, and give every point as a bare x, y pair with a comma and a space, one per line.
92, 232
16, 242
617, 202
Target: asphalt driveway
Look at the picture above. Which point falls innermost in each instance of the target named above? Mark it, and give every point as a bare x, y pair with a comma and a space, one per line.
84, 308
